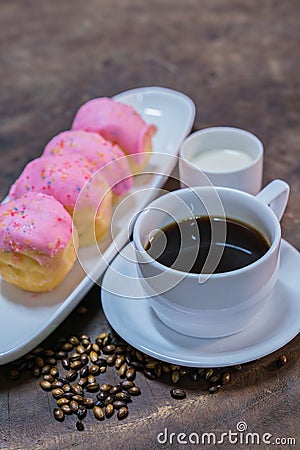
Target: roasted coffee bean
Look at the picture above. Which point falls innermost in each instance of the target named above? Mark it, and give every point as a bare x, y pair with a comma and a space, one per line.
238, 367
86, 343
84, 336
74, 340
45, 370
175, 376
84, 372
200, 370
225, 377
281, 361
117, 404
79, 425
130, 374
67, 347
58, 414
69, 395
126, 384
208, 373
120, 350
111, 359
139, 356
122, 412
214, 388
109, 399
109, 410
94, 369
37, 350
57, 393
194, 375
158, 371
80, 349
46, 385
106, 341
99, 403
39, 361
184, 371
51, 361
74, 405
62, 401
60, 354
54, 372
75, 365
75, 356
96, 348
134, 390
215, 378
94, 356
48, 352
102, 362
119, 361
91, 379
115, 389
151, 364
122, 370
177, 393
124, 396
149, 374
36, 371
103, 335
108, 349
165, 368
99, 342
102, 395
63, 379
71, 375
137, 365
65, 363
84, 359
83, 382
78, 398
98, 412
66, 387
82, 412
48, 377
88, 402
93, 387
57, 384
66, 409
105, 387
76, 389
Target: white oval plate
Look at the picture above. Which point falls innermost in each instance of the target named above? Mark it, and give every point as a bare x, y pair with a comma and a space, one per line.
26, 318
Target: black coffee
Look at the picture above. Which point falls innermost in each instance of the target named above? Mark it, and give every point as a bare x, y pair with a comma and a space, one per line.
185, 245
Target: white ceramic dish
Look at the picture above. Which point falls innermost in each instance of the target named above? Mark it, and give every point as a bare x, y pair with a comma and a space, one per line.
26, 319
133, 319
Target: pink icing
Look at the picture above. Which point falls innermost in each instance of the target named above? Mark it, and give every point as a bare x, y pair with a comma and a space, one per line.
63, 177
34, 222
117, 122
99, 152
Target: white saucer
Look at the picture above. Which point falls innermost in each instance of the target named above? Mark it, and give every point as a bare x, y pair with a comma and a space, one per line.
132, 318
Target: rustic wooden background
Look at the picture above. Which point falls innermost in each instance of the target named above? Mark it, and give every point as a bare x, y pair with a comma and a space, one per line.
240, 63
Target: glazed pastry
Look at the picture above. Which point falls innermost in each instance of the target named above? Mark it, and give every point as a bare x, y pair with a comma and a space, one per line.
120, 124
69, 179
99, 152
38, 242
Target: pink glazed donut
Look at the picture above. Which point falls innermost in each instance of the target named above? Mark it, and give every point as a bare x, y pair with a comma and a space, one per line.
101, 153
38, 242
69, 179
120, 124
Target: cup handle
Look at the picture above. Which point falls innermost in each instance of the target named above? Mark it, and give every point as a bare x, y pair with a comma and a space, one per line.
275, 195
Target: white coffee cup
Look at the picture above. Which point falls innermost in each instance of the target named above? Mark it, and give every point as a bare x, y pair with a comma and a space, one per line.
222, 156
212, 304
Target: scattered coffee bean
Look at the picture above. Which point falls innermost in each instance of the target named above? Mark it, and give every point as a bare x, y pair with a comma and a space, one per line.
45, 370
58, 414
122, 412
281, 361
62, 401
213, 389
88, 402
71, 375
225, 377
130, 374
134, 390
79, 425
98, 412
82, 412
74, 405
177, 393
57, 393
66, 409
46, 385
109, 410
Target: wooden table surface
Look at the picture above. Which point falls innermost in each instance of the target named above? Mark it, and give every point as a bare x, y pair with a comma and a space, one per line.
240, 63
